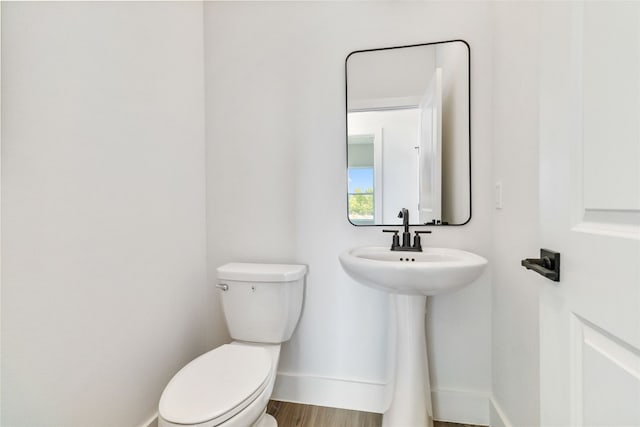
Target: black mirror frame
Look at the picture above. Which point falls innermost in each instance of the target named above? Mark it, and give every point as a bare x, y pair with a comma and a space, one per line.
346, 99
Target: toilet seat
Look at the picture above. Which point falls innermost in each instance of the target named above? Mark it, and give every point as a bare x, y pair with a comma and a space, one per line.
217, 385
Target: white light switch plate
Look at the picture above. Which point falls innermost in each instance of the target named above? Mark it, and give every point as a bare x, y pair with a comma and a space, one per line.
498, 196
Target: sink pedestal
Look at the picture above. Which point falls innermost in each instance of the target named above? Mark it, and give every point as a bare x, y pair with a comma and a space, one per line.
411, 398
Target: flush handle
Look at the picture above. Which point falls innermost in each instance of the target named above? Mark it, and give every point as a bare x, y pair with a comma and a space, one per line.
222, 286
548, 265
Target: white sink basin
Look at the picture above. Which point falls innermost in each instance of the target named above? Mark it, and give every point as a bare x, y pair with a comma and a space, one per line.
430, 272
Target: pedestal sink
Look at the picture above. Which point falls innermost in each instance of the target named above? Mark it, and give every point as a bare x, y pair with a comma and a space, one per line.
410, 277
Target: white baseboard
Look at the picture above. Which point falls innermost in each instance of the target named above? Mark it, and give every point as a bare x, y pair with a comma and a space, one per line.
151, 422
448, 405
462, 407
331, 392
455, 406
497, 416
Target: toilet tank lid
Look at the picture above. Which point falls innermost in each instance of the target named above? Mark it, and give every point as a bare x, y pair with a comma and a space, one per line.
254, 272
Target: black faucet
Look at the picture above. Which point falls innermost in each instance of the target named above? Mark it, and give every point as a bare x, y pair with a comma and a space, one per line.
406, 235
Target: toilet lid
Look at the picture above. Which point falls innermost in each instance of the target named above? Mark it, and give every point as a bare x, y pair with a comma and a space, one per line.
219, 383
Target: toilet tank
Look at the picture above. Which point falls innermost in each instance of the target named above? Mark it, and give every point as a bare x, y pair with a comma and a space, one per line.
261, 302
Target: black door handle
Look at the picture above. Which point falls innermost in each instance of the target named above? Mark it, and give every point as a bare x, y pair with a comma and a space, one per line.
547, 265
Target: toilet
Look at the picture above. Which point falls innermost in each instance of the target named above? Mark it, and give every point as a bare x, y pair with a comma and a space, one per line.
230, 385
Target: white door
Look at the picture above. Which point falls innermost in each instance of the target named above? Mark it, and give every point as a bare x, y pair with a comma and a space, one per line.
430, 152
590, 213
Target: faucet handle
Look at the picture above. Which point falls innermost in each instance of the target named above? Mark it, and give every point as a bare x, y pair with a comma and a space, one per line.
416, 240
396, 239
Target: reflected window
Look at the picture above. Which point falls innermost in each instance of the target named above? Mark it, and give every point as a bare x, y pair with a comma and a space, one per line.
361, 195
361, 174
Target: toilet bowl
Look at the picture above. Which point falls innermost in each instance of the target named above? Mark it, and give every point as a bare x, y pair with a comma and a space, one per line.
230, 386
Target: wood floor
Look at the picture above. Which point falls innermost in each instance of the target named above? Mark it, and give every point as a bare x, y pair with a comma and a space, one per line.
296, 415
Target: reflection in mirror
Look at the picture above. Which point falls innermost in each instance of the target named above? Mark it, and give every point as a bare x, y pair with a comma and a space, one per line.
408, 134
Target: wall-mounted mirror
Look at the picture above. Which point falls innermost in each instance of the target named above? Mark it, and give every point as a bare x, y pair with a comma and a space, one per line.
408, 134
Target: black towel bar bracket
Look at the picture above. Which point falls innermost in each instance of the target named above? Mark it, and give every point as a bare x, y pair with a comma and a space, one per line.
547, 265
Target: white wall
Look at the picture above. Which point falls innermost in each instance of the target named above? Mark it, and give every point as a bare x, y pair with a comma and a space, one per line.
515, 343
396, 77
276, 187
104, 289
